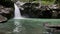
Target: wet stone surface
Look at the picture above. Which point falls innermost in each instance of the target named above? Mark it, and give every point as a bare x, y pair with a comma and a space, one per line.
2, 18
6, 13
6, 10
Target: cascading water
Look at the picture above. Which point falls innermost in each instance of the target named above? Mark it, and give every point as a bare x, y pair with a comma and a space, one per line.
17, 13
17, 23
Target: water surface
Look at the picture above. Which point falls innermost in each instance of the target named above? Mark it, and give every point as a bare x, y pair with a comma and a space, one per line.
29, 26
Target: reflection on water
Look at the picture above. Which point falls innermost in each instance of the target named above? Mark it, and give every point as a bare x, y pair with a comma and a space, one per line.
29, 26
18, 27
7, 28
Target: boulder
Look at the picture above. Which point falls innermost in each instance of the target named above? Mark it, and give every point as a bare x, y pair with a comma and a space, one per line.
6, 10
2, 18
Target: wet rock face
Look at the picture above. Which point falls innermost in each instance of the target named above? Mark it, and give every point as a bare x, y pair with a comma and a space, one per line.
2, 18
34, 10
6, 12
30, 10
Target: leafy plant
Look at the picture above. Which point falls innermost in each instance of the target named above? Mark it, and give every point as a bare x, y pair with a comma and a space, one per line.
45, 2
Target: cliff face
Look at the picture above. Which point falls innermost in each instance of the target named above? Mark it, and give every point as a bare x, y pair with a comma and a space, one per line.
6, 10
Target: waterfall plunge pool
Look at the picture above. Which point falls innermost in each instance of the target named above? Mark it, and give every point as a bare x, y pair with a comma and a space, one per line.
29, 26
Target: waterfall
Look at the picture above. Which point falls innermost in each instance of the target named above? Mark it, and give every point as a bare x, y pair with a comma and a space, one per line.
18, 25
17, 13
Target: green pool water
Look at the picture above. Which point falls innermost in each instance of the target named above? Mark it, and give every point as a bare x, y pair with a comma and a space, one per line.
29, 26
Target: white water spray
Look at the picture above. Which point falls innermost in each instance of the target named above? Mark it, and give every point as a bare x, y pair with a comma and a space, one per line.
17, 13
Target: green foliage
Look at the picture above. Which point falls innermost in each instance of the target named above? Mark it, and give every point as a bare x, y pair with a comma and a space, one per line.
57, 2
46, 2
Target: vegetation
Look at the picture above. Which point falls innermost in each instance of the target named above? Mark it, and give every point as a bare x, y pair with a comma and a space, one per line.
57, 1
45, 2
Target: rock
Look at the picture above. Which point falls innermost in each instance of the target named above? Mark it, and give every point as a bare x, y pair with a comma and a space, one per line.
2, 18
18, 3
6, 14
6, 10
53, 6
32, 10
